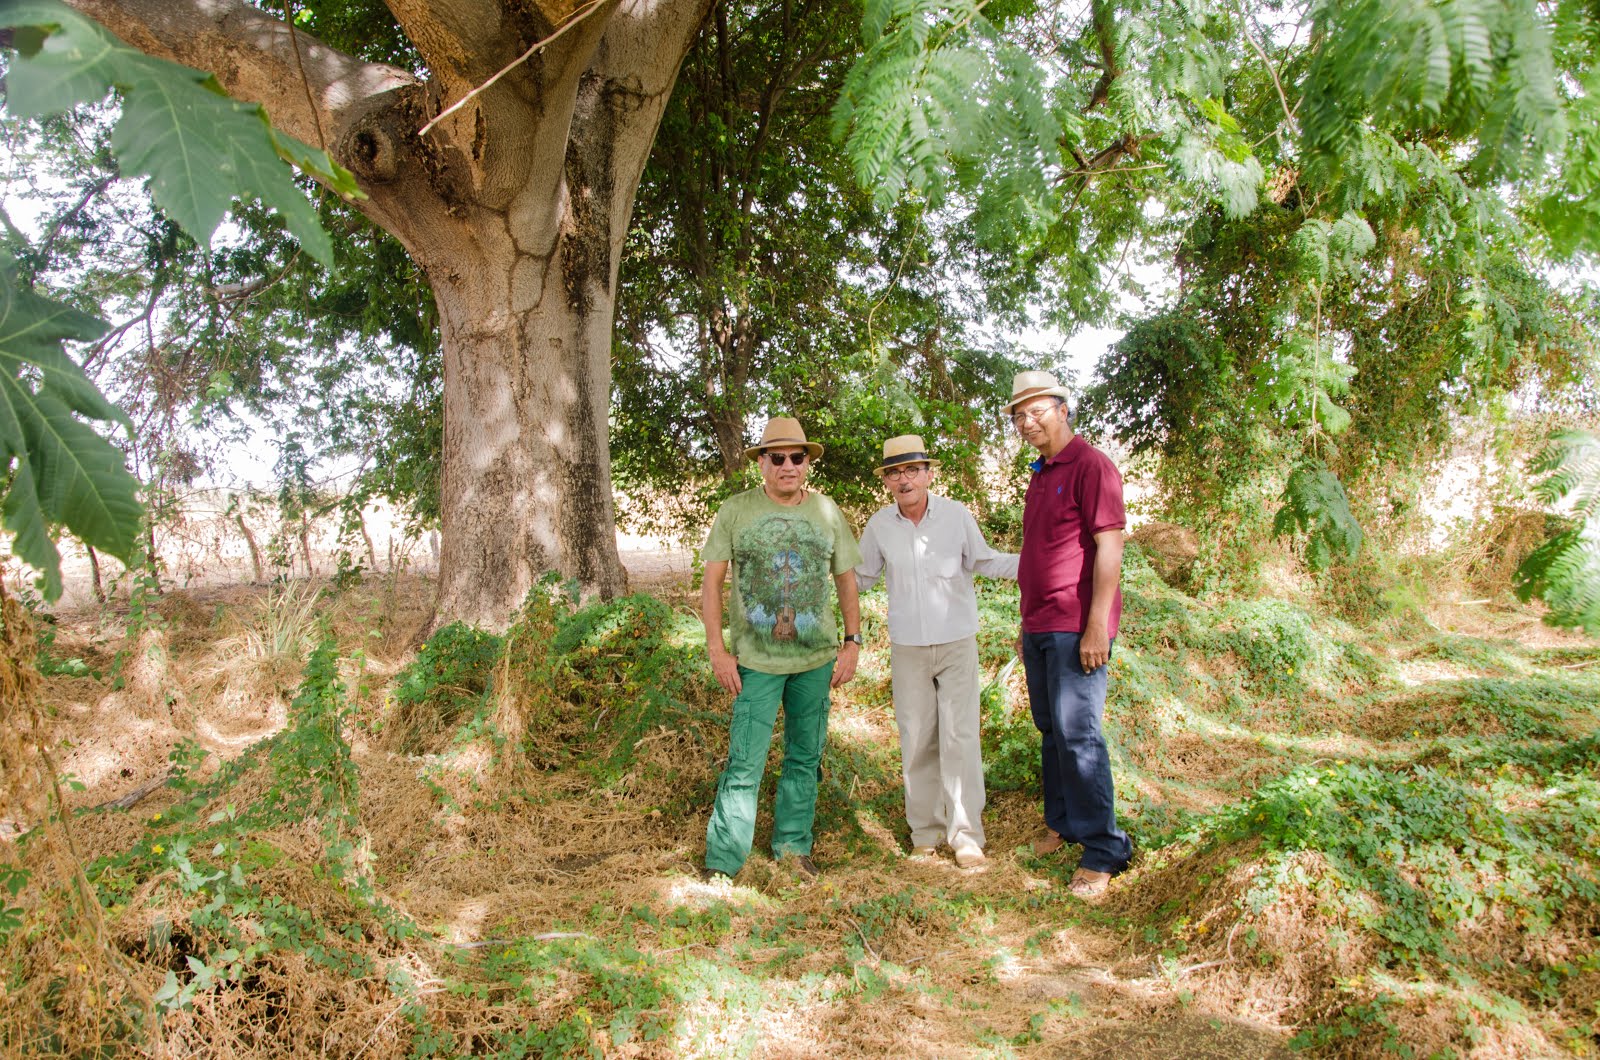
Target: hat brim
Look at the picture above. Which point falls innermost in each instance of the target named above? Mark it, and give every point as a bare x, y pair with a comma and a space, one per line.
1034, 392
903, 463
812, 448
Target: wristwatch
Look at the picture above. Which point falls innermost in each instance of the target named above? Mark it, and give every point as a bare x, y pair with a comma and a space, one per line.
853, 638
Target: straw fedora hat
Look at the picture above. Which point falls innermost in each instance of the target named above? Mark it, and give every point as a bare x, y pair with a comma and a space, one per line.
1027, 385
905, 449
783, 432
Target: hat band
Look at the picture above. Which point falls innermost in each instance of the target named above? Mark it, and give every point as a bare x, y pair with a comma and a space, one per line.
769, 443
906, 458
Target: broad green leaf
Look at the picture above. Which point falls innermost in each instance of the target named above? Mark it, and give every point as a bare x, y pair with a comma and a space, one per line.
31, 540
82, 481
74, 63
62, 471
31, 332
198, 148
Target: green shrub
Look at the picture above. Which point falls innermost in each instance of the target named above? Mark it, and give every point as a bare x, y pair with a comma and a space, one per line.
446, 681
1010, 740
1275, 642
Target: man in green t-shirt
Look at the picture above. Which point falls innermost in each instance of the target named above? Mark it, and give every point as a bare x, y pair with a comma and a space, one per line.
784, 543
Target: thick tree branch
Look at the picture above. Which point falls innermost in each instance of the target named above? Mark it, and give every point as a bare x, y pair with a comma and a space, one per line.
252, 54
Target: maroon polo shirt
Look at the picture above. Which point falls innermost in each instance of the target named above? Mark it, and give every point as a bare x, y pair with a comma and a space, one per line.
1070, 499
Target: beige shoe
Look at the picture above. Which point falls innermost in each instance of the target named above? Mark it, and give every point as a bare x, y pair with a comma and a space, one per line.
970, 858
924, 852
1047, 842
1087, 883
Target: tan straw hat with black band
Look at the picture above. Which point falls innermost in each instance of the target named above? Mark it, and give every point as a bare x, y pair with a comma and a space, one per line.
783, 432
1026, 385
905, 449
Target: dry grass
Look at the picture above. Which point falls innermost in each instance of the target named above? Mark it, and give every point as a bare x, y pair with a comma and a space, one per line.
553, 893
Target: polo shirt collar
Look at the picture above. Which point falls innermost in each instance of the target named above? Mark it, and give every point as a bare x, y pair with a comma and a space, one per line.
1069, 453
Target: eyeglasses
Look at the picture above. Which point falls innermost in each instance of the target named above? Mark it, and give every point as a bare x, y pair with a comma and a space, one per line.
778, 458
894, 473
1019, 418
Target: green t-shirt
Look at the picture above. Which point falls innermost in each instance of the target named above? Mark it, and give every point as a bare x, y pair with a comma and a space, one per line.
783, 562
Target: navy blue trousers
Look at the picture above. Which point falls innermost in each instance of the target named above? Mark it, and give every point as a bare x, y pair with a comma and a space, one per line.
1067, 704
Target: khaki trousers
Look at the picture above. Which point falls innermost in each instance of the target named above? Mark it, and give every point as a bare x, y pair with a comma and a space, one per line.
936, 709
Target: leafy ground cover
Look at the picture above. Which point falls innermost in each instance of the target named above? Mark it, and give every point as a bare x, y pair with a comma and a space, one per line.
1352, 842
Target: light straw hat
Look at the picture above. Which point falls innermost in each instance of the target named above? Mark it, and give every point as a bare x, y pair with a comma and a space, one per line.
1026, 385
783, 432
905, 449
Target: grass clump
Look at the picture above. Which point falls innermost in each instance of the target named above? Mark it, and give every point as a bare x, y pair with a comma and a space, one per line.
445, 683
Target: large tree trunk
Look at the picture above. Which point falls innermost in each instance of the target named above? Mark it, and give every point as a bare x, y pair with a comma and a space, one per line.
527, 467
515, 206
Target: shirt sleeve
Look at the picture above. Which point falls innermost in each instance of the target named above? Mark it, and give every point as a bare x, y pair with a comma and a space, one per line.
719, 542
846, 554
1102, 497
982, 558
871, 564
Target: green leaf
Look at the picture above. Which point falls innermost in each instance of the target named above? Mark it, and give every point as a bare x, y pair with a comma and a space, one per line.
1330, 416
1314, 503
198, 148
31, 541
62, 471
1564, 572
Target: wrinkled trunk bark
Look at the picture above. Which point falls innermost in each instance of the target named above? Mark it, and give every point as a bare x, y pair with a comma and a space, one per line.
527, 464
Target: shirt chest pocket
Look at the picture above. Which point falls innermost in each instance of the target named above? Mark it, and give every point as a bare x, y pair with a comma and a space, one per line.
942, 567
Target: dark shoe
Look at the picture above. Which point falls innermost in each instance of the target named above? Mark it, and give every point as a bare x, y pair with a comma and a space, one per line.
805, 868
1047, 842
711, 875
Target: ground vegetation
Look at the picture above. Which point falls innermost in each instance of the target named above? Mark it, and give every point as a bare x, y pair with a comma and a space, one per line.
1353, 841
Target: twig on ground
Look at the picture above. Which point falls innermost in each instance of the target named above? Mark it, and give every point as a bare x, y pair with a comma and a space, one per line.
132, 798
1212, 964
865, 945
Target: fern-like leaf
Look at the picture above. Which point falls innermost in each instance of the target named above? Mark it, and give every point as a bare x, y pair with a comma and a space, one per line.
1564, 572
1314, 503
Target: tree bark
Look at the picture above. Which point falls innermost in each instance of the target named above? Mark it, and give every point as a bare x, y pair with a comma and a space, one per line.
515, 206
255, 549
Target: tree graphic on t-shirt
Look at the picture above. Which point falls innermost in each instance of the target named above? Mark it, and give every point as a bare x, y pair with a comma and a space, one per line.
784, 569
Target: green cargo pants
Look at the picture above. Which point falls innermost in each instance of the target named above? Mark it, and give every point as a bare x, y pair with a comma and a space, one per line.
804, 698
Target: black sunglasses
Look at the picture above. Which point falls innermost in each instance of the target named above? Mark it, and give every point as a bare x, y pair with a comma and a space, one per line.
778, 458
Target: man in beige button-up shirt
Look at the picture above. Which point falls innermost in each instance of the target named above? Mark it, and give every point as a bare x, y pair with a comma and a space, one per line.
928, 547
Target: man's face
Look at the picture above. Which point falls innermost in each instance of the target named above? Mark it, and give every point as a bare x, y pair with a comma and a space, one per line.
783, 470
1040, 421
908, 485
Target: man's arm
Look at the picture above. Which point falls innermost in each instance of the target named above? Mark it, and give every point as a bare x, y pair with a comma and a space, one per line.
1094, 648
850, 610
871, 564
723, 664
981, 556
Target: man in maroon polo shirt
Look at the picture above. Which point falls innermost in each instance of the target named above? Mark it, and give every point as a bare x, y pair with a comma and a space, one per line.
1070, 574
